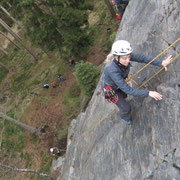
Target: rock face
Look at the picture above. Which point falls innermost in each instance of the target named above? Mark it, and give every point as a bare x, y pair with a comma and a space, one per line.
100, 145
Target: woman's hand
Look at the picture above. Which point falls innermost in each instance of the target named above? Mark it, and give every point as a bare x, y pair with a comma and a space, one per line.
167, 61
155, 95
130, 83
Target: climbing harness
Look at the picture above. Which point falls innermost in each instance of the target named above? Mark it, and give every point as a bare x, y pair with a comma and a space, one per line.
110, 94
130, 78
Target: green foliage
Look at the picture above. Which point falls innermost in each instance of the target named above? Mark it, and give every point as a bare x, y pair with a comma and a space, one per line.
44, 100
28, 159
86, 5
3, 74
34, 138
72, 26
56, 24
74, 91
72, 100
72, 94
87, 77
13, 139
46, 162
110, 41
62, 134
61, 69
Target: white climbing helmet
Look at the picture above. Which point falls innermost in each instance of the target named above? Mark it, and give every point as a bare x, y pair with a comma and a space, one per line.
51, 150
121, 47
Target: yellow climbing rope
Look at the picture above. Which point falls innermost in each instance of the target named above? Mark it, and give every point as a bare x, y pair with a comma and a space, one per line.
130, 77
158, 72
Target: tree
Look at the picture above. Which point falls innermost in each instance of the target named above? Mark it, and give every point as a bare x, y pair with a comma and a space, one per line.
3, 51
57, 24
8, 14
26, 170
87, 77
16, 36
31, 129
113, 13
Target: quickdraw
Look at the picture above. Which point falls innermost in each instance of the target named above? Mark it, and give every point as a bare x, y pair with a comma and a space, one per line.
110, 94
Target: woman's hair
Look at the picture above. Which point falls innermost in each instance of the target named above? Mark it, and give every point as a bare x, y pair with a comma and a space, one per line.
109, 57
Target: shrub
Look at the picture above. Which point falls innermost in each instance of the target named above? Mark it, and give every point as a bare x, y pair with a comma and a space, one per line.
87, 77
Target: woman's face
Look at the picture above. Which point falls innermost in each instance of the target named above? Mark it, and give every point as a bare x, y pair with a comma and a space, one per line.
125, 60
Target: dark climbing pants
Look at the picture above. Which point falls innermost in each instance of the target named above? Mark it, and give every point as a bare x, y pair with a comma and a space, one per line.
119, 7
123, 105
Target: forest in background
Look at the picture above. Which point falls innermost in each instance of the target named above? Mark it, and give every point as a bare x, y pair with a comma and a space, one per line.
54, 32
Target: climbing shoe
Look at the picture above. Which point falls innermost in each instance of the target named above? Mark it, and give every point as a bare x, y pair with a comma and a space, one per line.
128, 122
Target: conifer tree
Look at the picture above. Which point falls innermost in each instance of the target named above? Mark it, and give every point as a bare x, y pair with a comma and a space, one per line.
54, 24
87, 77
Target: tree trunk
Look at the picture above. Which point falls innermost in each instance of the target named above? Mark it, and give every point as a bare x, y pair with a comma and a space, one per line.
16, 37
8, 14
10, 30
113, 13
5, 67
3, 51
9, 39
27, 170
31, 129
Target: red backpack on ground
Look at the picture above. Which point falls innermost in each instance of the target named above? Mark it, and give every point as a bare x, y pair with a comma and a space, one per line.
54, 84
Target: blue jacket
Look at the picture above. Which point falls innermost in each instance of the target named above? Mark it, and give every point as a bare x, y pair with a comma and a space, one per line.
115, 74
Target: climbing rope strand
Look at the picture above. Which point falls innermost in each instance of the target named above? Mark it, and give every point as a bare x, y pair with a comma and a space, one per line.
158, 72
96, 124
134, 82
130, 77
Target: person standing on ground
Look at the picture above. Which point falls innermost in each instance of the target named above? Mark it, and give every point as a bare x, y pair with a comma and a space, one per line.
117, 71
55, 151
118, 4
72, 62
60, 78
46, 86
54, 84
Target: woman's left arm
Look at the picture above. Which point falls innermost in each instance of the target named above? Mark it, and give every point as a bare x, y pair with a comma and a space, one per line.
145, 59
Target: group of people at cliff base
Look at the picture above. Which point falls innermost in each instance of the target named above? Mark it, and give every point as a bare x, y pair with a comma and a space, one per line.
113, 80
120, 6
55, 84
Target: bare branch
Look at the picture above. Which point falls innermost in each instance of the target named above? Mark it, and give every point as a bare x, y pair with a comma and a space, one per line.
1, 135
8, 14
27, 171
9, 39
5, 67
3, 51
31, 129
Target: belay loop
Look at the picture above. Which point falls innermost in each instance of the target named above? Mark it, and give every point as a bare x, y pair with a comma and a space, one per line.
110, 94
